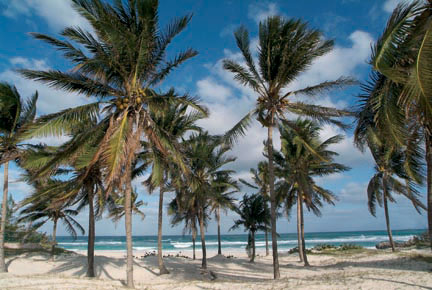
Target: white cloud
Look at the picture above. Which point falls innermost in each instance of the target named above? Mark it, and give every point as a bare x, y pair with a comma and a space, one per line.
261, 10
211, 91
57, 13
353, 192
50, 100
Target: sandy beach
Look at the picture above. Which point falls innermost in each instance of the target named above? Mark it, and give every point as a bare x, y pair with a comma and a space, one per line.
363, 270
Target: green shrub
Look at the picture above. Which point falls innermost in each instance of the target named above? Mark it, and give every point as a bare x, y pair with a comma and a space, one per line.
345, 247
295, 250
322, 247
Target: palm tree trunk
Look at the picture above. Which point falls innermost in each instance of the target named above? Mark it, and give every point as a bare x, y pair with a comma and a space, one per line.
203, 246
3, 217
266, 242
253, 247
91, 236
305, 260
218, 231
299, 229
388, 222
162, 269
128, 225
54, 240
194, 234
429, 182
276, 273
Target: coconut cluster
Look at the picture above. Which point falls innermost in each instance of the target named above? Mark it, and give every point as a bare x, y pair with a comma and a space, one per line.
136, 99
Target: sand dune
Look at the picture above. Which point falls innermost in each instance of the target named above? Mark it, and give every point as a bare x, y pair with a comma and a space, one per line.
370, 270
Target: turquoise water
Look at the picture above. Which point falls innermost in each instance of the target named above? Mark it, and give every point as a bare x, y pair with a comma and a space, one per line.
285, 241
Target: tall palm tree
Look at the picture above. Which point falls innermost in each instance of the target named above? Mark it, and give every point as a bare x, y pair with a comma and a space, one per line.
389, 172
124, 60
85, 185
15, 116
177, 120
393, 163
260, 179
254, 216
207, 156
42, 211
304, 156
179, 213
222, 184
401, 55
286, 49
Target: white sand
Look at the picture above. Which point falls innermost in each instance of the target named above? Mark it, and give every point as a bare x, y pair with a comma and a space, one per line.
361, 271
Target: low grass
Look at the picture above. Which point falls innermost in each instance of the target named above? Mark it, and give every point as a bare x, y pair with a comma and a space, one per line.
421, 257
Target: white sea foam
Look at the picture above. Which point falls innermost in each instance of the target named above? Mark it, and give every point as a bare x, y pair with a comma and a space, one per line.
144, 248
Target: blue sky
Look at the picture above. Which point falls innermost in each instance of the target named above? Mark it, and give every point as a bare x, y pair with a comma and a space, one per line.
353, 24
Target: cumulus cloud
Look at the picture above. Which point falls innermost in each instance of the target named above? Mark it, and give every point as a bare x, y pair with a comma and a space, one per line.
210, 90
353, 192
261, 10
57, 13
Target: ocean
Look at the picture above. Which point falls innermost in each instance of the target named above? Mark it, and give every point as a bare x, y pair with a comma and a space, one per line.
366, 239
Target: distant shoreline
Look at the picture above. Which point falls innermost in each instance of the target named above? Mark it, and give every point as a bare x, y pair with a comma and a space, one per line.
259, 233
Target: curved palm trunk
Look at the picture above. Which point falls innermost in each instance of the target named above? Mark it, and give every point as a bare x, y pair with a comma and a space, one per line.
218, 231
54, 239
253, 246
162, 269
388, 224
3, 217
266, 242
128, 225
299, 229
276, 273
194, 234
91, 236
305, 260
203, 246
429, 183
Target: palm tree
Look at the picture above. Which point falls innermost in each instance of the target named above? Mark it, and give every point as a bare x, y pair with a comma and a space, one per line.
304, 156
260, 179
124, 60
286, 49
179, 213
177, 120
223, 200
389, 171
15, 116
401, 55
254, 216
42, 211
84, 187
206, 155
393, 164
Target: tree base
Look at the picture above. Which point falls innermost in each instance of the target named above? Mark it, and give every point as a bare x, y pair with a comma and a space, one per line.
163, 270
